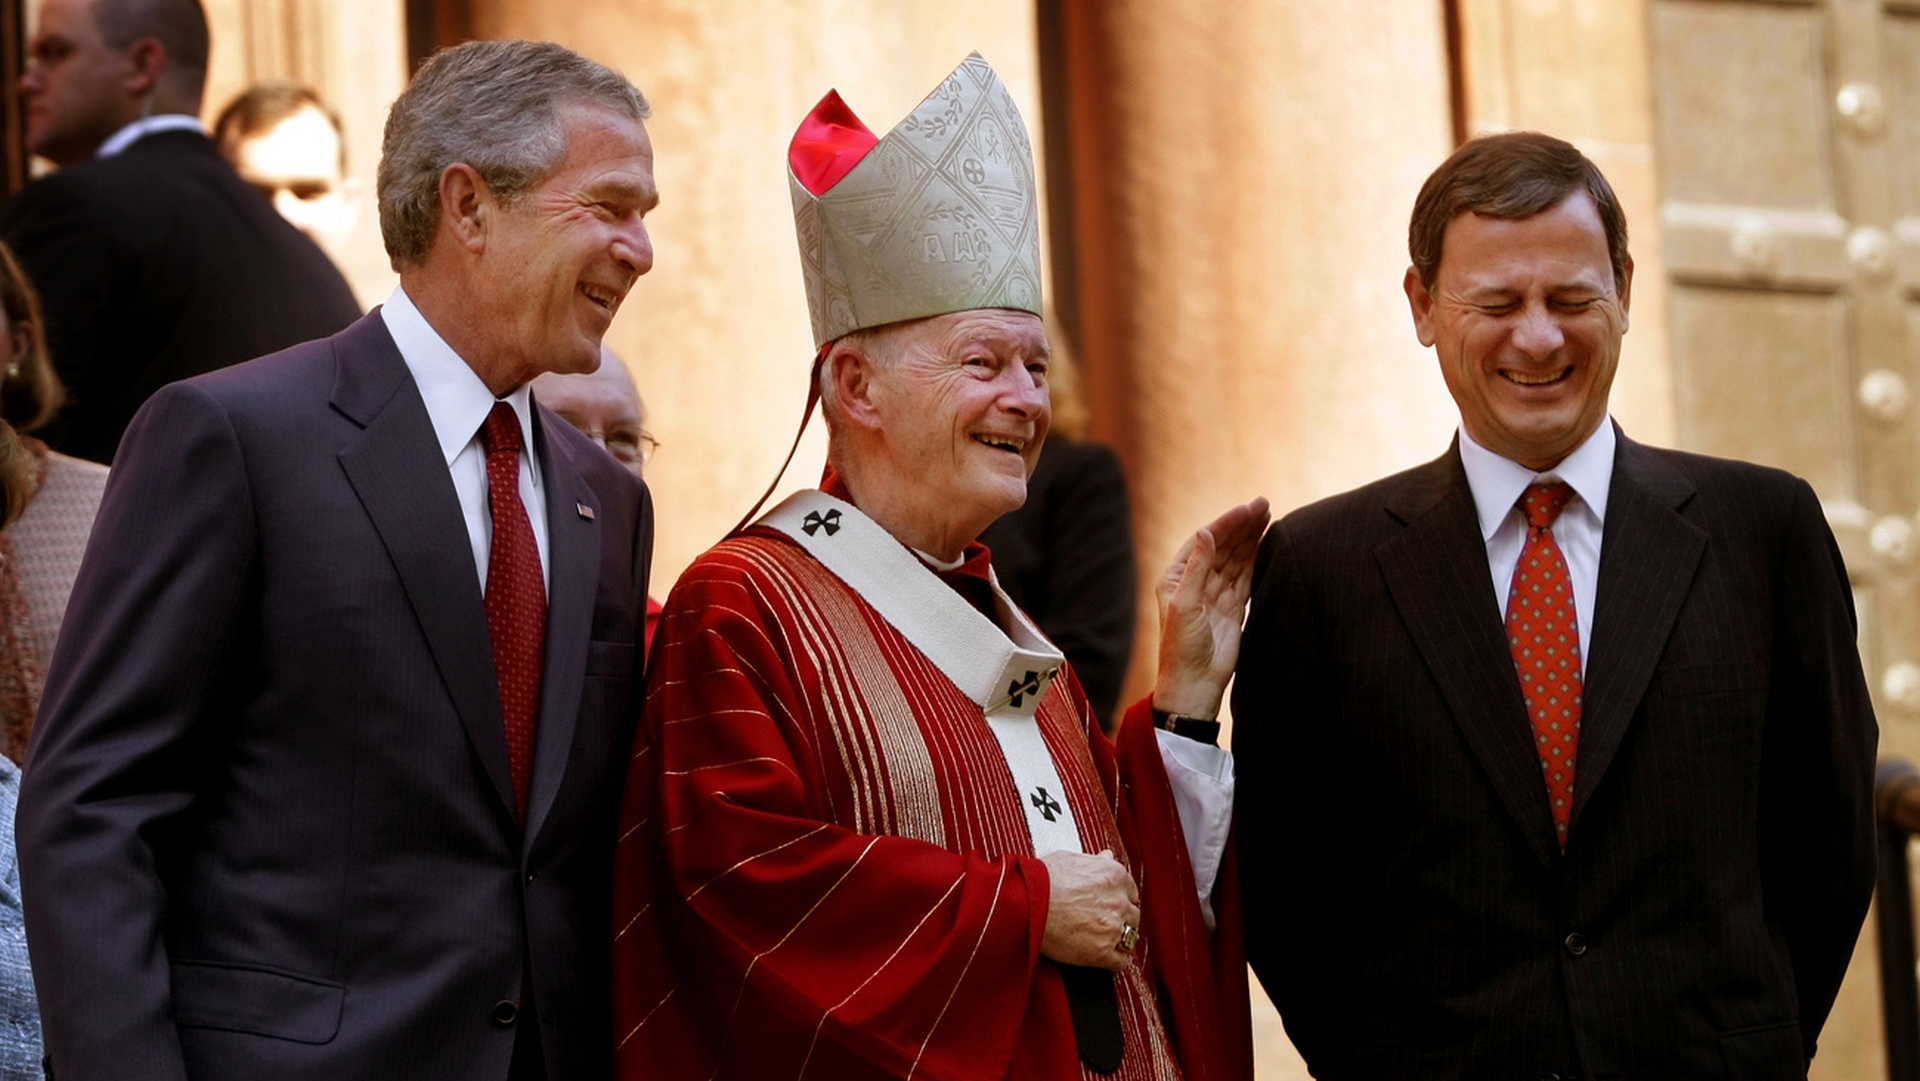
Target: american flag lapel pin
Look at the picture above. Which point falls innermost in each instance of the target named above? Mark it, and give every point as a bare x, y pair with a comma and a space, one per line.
585, 511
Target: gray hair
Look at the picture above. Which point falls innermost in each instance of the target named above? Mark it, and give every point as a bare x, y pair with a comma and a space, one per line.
491, 105
881, 346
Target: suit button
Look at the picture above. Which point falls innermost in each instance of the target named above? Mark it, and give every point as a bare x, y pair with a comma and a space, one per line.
504, 1012
1576, 945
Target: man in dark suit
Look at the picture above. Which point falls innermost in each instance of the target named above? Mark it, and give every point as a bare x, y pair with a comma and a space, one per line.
1628, 833
154, 261
325, 781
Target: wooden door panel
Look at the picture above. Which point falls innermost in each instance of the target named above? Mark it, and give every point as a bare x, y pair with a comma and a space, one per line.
1753, 355
1789, 158
1742, 116
1901, 44
1777, 249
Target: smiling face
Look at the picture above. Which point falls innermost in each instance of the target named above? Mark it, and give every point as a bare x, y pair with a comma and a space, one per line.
558, 260
76, 85
1527, 321
961, 410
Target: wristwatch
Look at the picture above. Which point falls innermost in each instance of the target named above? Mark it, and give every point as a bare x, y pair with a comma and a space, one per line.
1198, 729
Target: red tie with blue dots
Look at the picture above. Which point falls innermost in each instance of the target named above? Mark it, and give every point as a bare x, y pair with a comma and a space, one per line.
516, 596
1545, 639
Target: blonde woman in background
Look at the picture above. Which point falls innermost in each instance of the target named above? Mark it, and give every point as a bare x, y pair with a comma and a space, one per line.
39, 553
19, 1012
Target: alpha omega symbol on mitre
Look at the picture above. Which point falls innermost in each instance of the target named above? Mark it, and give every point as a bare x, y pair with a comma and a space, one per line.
1044, 803
815, 521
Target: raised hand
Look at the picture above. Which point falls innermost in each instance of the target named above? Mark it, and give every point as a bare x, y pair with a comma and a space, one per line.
1203, 602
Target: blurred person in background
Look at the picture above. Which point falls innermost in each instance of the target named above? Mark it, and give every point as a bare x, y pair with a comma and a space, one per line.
605, 406
153, 259
287, 142
1066, 555
40, 552
16, 475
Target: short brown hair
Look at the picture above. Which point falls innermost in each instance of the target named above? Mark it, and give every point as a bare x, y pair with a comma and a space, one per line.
1512, 175
262, 106
30, 392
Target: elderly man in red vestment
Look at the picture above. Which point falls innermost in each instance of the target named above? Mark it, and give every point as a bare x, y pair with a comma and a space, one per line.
871, 830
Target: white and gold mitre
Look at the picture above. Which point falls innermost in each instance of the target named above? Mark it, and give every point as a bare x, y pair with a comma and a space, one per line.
939, 216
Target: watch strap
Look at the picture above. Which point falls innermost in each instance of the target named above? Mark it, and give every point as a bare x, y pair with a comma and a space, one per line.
1201, 729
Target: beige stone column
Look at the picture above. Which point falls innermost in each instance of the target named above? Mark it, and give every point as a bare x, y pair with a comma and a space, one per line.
1243, 177
718, 334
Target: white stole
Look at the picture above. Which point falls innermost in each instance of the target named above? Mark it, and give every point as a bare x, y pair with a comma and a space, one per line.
1004, 676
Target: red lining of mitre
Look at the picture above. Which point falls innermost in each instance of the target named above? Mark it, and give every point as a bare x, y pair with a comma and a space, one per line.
829, 143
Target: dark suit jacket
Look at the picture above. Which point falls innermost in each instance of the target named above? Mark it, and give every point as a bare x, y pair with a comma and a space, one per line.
1066, 558
157, 264
269, 830
1407, 907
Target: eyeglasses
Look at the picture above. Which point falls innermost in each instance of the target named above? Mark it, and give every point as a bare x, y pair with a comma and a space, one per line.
630, 446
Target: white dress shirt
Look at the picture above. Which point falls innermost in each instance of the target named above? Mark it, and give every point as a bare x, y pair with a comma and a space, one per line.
1498, 484
458, 404
148, 125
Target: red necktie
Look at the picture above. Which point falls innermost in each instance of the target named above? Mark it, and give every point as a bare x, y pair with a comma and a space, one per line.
516, 596
1545, 639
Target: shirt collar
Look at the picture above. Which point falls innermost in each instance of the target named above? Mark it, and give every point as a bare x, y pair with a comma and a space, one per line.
148, 125
1497, 482
457, 401
974, 558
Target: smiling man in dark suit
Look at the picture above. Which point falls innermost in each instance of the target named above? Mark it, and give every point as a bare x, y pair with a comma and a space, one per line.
1555, 754
325, 780
154, 261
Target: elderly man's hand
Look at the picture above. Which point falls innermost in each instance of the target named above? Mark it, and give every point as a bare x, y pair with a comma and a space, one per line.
1203, 601
1091, 903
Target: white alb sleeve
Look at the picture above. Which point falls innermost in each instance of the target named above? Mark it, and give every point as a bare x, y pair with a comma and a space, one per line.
1202, 779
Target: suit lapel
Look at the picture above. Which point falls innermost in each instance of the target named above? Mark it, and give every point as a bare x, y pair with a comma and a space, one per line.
1648, 557
573, 580
398, 472
1436, 570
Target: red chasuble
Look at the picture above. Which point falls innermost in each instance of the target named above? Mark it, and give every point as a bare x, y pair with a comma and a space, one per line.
825, 869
